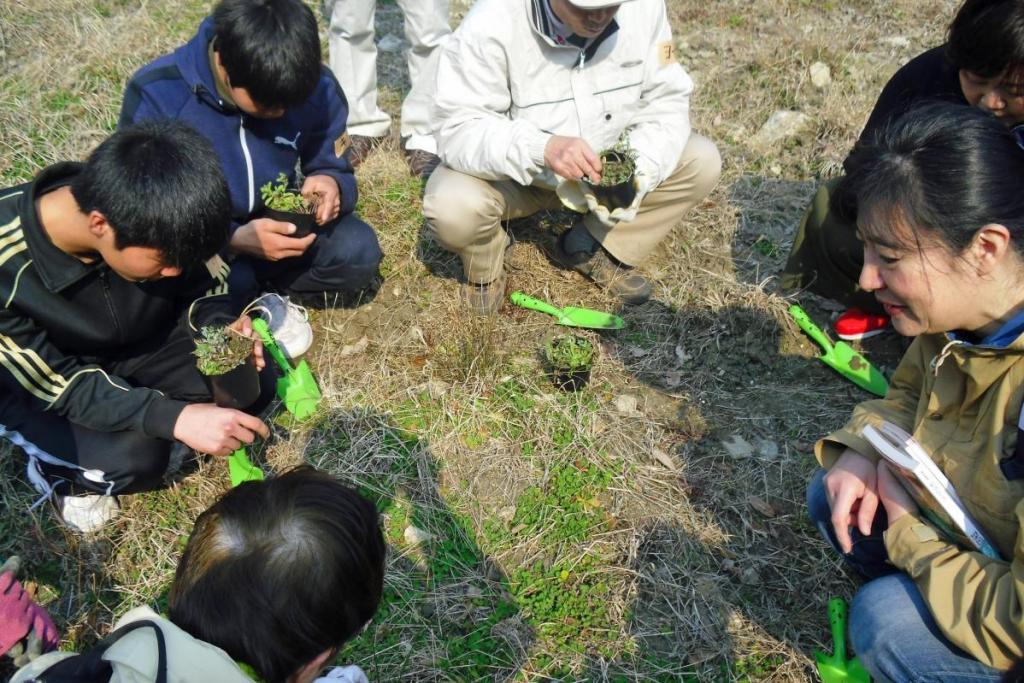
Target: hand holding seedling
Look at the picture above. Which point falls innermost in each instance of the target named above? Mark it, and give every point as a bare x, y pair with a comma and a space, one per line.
329, 202
269, 240
852, 491
572, 158
218, 431
894, 497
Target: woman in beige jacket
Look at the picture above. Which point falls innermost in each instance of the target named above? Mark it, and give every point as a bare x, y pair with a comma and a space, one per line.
942, 221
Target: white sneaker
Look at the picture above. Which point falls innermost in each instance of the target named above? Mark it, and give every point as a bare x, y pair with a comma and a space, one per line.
87, 513
288, 322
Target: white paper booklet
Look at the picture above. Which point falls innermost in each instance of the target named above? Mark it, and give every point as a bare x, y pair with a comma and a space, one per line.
929, 487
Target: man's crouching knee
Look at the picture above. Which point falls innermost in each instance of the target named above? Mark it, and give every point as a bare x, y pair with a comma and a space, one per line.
459, 208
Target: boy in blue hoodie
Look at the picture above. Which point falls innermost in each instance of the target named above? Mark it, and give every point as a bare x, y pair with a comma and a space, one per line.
251, 81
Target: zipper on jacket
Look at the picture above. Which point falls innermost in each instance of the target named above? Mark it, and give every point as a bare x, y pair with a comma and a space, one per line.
110, 304
248, 163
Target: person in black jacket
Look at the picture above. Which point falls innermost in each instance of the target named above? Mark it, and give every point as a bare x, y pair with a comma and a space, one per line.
981, 64
101, 265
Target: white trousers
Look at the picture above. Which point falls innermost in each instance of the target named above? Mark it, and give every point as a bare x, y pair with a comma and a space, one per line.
353, 59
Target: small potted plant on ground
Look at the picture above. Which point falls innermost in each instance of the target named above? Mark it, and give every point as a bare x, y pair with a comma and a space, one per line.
289, 206
224, 358
570, 358
618, 168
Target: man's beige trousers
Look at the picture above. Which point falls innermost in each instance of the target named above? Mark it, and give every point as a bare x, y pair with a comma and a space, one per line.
465, 212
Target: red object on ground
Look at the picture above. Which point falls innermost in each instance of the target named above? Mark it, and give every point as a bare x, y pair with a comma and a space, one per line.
856, 324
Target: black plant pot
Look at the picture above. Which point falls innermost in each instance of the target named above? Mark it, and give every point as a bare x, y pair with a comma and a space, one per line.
570, 380
238, 388
304, 223
614, 196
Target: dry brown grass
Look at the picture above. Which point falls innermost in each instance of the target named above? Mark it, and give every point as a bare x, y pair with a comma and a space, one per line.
711, 567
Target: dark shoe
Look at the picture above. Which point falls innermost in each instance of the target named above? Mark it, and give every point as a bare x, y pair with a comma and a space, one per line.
484, 299
621, 280
360, 146
421, 162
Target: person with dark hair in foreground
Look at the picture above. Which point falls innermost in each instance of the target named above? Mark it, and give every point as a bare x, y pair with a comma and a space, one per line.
276, 576
251, 81
941, 216
99, 263
981, 64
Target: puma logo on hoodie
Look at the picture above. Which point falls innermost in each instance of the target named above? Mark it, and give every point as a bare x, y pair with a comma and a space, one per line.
294, 144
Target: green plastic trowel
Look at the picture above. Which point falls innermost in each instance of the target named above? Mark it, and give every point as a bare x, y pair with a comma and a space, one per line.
841, 357
296, 386
836, 668
570, 316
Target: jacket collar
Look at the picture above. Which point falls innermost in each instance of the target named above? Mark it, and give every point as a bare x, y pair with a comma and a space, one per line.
542, 27
1009, 335
56, 268
193, 62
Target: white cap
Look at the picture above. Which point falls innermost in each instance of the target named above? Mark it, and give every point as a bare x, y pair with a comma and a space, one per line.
596, 4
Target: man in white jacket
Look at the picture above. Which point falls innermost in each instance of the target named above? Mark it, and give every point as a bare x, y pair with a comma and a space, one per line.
527, 91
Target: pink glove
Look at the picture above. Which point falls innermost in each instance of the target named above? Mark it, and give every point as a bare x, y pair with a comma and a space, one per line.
19, 616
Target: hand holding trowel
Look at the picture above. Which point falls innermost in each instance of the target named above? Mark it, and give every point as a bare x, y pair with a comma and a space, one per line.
841, 357
570, 315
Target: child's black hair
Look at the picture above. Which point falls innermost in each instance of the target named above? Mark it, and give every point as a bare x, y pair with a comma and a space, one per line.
278, 571
943, 171
987, 38
269, 47
160, 185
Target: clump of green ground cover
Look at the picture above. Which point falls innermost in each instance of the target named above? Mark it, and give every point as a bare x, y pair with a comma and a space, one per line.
569, 352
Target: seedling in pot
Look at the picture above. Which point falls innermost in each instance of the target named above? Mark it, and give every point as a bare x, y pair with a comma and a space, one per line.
224, 358
617, 188
289, 206
571, 358
220, 350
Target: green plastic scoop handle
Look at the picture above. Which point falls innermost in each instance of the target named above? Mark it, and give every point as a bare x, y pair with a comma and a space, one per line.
836, 668
837, 621
808, 326
570, 316
270, 344
241, 469
296, 386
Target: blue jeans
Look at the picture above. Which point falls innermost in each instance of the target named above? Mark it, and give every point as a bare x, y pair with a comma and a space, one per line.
891, 629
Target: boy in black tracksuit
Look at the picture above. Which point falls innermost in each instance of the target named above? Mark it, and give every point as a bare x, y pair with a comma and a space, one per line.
100, 264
